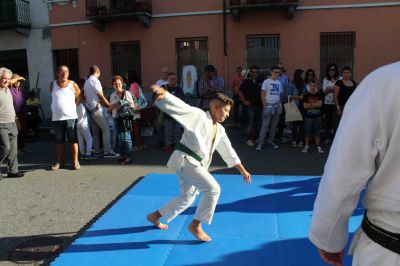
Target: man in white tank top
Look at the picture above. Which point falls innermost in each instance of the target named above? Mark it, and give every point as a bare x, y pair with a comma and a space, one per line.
65, 95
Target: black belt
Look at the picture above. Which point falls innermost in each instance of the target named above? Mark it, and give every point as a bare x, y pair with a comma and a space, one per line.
183, 148
386, 239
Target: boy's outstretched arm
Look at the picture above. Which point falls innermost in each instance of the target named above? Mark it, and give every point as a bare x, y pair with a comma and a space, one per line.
244, 173
188, 116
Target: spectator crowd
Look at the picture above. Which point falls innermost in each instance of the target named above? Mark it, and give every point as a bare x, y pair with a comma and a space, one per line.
99, 122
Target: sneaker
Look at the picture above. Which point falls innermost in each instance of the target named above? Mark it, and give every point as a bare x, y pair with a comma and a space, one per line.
283, 140
319, 149
98, 154
15, 175
76, 165
326, 142
273, 144
57, 166
258, 148
250, 143
300, 144
89, 157
111, 155
305, 149
294, 144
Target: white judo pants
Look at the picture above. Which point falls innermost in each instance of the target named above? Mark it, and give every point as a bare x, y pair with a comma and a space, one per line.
192, 180
85, 139
368, 253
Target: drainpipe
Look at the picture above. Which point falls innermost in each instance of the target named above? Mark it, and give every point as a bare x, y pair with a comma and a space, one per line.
225, 46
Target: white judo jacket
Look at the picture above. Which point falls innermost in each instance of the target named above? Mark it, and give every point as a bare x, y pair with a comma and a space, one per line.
197, 126
365, 153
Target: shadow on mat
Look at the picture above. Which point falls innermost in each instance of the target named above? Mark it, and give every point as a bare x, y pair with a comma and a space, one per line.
118, 231
294, 252
126, 246
295, 196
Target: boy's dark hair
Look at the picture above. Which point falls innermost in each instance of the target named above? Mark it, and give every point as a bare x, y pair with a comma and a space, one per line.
275, 67
348, 68
254, 67
209, 68
171, 74
221, 98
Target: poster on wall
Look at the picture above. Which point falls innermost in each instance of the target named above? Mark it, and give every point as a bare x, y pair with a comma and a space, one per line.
189, 78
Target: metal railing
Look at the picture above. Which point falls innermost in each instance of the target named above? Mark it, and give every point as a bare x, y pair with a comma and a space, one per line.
103, 8
14, 13
245, 3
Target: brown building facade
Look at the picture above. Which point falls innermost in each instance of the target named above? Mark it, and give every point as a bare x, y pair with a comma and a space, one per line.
144, 35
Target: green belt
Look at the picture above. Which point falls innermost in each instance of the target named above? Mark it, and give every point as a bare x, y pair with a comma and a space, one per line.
181, 147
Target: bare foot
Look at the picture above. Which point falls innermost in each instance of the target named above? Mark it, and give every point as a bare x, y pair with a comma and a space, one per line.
154, 218
197, 231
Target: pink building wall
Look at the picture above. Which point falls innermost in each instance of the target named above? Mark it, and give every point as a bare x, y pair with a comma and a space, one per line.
377, 35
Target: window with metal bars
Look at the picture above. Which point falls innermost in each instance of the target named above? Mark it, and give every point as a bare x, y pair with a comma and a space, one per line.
337, 48
125, 58
191, 51
263, 51
69, 58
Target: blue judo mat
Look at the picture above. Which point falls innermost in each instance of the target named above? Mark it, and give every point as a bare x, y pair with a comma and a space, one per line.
265, 223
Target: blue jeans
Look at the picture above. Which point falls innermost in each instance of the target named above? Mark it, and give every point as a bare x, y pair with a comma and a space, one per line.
312, 126
270, 119
125, 143
251, 123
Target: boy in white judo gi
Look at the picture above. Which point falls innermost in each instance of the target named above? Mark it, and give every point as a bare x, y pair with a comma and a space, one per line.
365, 153
203, 134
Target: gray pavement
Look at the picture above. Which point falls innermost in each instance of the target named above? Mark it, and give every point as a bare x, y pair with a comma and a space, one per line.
59, 204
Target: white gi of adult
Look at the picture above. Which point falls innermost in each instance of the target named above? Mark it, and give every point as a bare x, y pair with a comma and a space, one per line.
365, 153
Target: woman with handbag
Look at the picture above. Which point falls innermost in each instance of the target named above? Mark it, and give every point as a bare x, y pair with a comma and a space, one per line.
137, 94
121, 104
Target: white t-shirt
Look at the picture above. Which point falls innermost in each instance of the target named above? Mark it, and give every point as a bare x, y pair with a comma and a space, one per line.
91, 88
328, 97
161, 82
114, 98
273, 88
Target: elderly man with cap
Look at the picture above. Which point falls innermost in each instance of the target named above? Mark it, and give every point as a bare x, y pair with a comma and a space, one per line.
20, 109
164, 77
8, 126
